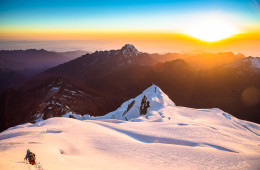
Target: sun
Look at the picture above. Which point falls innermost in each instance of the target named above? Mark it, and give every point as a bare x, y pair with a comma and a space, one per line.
211, 28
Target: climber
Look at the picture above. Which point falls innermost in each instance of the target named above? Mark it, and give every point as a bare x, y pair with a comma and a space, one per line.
30, 156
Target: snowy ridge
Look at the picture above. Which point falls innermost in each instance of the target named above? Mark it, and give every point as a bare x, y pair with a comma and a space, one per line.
151, 100
153, 105
252, 62
255, 62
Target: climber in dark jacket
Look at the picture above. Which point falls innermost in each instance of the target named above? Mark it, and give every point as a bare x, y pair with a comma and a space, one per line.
30, 156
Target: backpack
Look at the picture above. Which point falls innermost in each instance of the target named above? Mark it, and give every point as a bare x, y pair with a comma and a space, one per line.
32, 158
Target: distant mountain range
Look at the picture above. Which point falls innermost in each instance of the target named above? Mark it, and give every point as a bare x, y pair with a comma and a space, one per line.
16, 66
98, 83
201, 60
32, 61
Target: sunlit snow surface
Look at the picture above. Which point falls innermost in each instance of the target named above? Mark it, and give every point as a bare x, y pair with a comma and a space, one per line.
168, 137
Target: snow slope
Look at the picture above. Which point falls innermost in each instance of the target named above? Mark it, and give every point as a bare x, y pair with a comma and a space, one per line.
165, 137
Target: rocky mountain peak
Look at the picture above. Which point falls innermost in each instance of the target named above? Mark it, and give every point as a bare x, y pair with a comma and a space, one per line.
129, 50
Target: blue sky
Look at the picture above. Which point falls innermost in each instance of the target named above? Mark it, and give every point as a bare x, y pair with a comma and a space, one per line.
48, 14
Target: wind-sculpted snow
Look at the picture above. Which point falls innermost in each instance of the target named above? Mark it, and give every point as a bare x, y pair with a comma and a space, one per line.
12, 135
150, 133
152, 139
65, 143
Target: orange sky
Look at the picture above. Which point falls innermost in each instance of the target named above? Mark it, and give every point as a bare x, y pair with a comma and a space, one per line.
246, 43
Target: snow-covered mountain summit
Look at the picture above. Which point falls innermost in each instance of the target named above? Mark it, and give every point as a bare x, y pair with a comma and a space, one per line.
153, 105
129, 50
150, 101
128, 54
